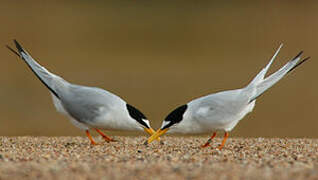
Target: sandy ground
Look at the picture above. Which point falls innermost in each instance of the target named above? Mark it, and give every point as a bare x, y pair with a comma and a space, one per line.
179, 157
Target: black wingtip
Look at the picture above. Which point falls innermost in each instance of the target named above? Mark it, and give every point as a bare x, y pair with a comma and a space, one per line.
302, 61
298, 55
19, 47
305, 59
12, 50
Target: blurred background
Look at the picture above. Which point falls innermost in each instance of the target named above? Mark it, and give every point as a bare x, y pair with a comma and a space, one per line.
158, 55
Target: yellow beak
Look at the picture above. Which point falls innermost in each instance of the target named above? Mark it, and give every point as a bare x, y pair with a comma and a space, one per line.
151, 132
156, 135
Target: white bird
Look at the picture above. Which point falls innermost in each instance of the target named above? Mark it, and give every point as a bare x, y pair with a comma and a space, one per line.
87, 107
223, 110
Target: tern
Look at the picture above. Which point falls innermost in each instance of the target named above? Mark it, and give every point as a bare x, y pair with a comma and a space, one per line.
87, 107
222, 111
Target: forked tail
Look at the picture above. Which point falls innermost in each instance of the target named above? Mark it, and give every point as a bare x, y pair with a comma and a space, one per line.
260, 76
261, 84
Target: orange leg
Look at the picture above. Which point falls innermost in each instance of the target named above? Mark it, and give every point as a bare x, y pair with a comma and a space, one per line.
90, 137
209, 141
107, 139
226, 135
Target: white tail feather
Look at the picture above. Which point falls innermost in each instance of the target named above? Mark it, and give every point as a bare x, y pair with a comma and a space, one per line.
268, 82
260, 76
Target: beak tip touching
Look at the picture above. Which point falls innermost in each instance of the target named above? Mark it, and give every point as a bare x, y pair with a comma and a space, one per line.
156, 135
151, 132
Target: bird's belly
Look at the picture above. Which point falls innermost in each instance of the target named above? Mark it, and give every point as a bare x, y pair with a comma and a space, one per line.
188, 128
114, 122
78, 124
224, 124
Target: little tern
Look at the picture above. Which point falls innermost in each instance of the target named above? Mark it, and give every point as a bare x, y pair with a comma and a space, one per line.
87, 107
223, 110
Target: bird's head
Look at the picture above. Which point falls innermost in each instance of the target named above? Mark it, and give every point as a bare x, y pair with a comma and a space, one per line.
140, 118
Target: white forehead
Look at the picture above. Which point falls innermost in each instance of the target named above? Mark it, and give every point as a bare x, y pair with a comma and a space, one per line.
164, 123
147, 122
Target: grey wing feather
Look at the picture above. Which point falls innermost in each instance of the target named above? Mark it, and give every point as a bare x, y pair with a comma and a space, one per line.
229, 102
87, 103
51, 81
80, 102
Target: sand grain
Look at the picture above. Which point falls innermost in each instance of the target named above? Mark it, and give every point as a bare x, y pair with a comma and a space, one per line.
179, 157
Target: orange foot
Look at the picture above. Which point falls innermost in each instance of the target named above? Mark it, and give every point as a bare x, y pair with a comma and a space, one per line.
207, 144
226, 135
106, 138
90, 138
